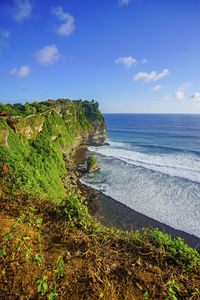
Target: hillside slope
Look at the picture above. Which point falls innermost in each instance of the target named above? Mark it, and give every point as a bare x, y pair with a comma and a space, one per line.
50, 246
33, 146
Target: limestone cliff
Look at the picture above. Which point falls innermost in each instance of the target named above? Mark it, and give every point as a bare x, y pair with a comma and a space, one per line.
88, 131
32, 146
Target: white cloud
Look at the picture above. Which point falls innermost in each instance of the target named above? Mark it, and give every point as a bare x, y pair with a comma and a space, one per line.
145, 76
179, 95
47, 55
127, 61
21, 72
156, 88
196, 98
68, 26
153, 76
124, 2
164, 73
22, 10
144, 61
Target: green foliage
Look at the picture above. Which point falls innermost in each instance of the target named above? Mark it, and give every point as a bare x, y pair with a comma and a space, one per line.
178, 250
172, 290
37, 259
74, 211
146, 295
195, 294
9, 108
91, 161
42, 285
2, 252
53, 294
38, 162
18, 109
85, 110
59, 267
92, 111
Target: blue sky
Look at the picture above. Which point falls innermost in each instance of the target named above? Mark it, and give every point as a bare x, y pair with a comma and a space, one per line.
139, 56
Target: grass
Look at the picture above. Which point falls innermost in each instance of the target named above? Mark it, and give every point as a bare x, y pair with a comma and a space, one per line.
50, 246
59, 251
34, 147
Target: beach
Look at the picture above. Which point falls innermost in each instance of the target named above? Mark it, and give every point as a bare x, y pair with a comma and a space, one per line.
113, 213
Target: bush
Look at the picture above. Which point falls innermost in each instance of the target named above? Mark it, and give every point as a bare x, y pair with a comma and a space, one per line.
178, 250
91, 161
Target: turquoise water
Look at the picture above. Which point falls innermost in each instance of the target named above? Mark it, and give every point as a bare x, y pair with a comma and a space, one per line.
152, 165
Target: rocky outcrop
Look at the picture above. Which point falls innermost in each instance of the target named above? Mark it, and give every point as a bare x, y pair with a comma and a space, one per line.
29, 126
94, 136
92, 165
4, 137
93, 133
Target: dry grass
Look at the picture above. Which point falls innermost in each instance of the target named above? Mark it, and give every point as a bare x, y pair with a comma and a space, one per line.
80, 263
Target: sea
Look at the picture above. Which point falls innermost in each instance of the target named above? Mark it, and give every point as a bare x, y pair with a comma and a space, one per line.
152, 165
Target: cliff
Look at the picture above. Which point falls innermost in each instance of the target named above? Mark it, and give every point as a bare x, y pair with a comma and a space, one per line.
32, 146
55, 249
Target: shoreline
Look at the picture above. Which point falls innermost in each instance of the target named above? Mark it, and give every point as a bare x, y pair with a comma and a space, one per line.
111, 212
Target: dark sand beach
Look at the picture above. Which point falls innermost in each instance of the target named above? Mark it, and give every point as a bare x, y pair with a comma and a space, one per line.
113, 213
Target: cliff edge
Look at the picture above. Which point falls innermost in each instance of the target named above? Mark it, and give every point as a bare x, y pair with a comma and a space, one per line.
50, 246
32, 145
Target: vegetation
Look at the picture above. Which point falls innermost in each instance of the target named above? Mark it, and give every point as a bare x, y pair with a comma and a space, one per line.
56, 250
86, 110
91, 163
37, 161
50, 246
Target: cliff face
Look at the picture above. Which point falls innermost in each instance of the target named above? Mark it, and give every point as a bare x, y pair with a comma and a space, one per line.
32, 147
94, 136
89, 132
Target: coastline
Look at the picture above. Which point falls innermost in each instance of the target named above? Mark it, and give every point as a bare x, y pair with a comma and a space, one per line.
110, 212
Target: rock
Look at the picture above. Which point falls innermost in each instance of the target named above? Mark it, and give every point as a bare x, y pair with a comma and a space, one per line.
92, 165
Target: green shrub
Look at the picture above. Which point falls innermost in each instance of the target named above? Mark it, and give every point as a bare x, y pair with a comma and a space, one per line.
178, 250
91, 161
74, 211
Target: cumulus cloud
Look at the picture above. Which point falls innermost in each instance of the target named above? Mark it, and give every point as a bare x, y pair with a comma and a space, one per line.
22, 10
196, 98
153, 76
21, 72
179, 95
124, 2
164, 73
47, 55
68, 25
156, 88
127, 61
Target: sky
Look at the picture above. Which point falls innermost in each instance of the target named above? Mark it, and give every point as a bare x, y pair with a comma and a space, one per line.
132, 56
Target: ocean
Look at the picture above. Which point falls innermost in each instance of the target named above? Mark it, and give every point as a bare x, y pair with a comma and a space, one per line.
152, 165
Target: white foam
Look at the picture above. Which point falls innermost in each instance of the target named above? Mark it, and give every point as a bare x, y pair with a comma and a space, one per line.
166, 199
183, 165
126, 175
